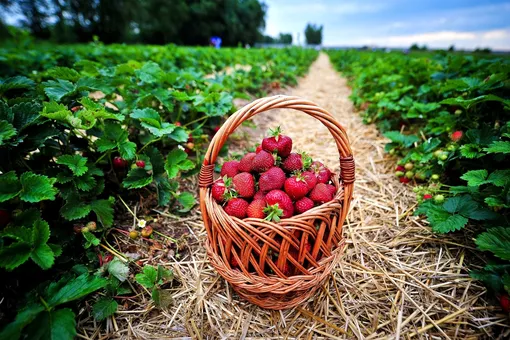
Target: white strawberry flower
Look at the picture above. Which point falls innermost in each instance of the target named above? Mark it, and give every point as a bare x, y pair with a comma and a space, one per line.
180, 147
142, 223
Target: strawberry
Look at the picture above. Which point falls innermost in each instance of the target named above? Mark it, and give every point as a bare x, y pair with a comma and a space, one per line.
147, 231
216, 128
177, 124
400, 168
278, 142
504, 302
119, 163
427, 197
5, 218
76, 108
220, 188
259, 148
308, 247
233, 262
293, 162
230, 169
237, 207
277, 199
92, 226
457, 135
409, 166
296, 187
273, 178
332, 189
310, 179
321, 194
439, 198
140, 164
256, 209
262, 161
303, 205
259, 195
244, 184
321, 172
404, 179
245, 165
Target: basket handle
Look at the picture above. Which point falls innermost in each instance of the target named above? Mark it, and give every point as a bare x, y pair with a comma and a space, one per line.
347, 167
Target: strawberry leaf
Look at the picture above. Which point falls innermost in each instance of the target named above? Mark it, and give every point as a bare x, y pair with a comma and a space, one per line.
104, 211
177, 161
14, 255
397, 137
74, 208
499, 178
148, 277
36, 188
57, 89
116, 137
16, 83
75, 163
104, 308
498, 147
75, 289
187, 200
118, 269
475, 177
137, 178
53, 325
43, 256
23, 318
10, 186
6, 131
495, 240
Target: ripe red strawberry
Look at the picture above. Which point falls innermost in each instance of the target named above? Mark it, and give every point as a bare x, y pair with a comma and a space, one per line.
427, 196
140, 164
296, 187
332, 189
303, 205
278, 142
259, 148
400, 168
177, 124
310, 179
321, 194
293, 162
220, 188
404, 179
456, 136
256, 209
259, 195
237, 207
244, 184
321, 172
245, 165
273, 178
262, 161
119, 163
216, 128
230, 169
504, 301
280, 200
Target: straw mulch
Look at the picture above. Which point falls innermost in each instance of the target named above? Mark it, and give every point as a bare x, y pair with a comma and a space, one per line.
396, 280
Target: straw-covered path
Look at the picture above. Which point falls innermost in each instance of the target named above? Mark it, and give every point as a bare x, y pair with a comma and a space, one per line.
396, 280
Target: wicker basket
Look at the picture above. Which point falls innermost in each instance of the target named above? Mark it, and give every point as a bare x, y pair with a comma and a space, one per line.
259, 277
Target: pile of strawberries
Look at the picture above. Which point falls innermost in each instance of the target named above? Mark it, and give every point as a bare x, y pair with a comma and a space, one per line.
273, 182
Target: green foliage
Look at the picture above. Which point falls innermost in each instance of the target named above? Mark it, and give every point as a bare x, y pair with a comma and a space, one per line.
313, 34
153, 278
458, 106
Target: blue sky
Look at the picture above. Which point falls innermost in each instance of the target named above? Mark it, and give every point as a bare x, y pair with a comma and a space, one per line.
396, 23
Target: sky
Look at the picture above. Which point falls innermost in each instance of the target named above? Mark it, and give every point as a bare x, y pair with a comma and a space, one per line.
467, 24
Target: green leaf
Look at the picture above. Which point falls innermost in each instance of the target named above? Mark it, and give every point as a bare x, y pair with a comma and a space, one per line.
495, 240
56, 90
149, 73
57, 324
74, 208
10, 186
162, 298
466, 103
43, 256
75, 163
452, 223
104, 308
151, 120
40, 233
214, 104
137, 178
23, 318
148, 277
75, 289
179, 135
18, 233
164, 190
490, 279
7, 131
176, 161
115, 136
56, 249
498, 147
104, 211
36, 188
475, 177
16, 83
64, 73
164, 275
499, 178
91, 239
25, 114
118, 269
14, 255
187, 200
405, 140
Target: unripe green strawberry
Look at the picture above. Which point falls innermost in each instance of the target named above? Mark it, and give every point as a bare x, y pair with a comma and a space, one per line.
85, 230
420, 176
435, 177
92, 226
409, 166
399, 173
458, 112
409, 174
438, 153
451, 147
133, 234
443, 157
439, 198
392, 152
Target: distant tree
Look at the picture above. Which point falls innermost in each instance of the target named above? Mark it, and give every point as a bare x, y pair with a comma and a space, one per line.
414, 47
483, 50
35, 14
313, 34
451, 48
285, 38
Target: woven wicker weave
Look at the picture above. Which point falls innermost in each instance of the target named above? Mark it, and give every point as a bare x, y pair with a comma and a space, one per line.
260, 278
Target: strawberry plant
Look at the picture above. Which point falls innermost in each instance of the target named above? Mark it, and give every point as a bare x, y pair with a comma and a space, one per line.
447, 121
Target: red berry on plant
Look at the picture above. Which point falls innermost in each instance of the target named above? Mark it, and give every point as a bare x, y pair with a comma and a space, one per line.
504, 301
237, 207
5, 218
427, 196
119, 163
230, 169
400, 168
147, 231
140, 164
404, 179
456, 136
246, 163
178, 124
